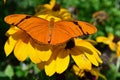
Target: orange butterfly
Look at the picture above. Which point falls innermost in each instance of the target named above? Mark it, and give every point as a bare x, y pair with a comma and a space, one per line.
49, 32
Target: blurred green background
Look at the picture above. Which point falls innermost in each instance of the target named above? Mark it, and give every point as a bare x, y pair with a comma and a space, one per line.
12, 69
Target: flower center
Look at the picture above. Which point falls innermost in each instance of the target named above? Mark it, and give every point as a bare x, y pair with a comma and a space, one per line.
70, 44
56, 7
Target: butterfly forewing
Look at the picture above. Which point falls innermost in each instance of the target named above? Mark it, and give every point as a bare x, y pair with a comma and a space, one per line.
14, 19
86, 28
63, 31
36, 28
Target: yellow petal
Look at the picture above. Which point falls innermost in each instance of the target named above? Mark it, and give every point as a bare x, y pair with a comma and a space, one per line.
44, 55
78, 71
90, 50
48, 17
9, 45
32, 54
91, 41
118, 49
65, 14
85, 45
105, 40
97, 74
89, 54
81, 60
51, 5
110, 36
50, 67
112, 46
21, 50
12, 30
118, 43
102, 39
96, 52
62, 61
43, 51
93, 52
91, 58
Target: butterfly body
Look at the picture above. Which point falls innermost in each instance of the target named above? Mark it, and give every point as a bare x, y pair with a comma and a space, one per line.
49, 32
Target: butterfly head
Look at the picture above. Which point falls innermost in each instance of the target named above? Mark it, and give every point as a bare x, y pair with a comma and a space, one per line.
51, 23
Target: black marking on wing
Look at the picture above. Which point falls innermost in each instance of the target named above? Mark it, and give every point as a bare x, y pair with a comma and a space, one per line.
27, 17
76, 23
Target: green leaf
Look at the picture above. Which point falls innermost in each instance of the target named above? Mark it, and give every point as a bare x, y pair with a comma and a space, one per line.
117, 30
3, 76
109, 29
113, 73
37, 70
9, 71
19, 72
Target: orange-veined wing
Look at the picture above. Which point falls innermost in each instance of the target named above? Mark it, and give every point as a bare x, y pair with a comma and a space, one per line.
51, 32
86, 28
65, 30
36, 28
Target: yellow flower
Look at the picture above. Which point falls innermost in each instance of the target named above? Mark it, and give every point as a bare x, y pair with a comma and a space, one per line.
107, 40
78, 71
82, 52
53, 9
97, 74
24, 46
47, 12
94, 72
118, 49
